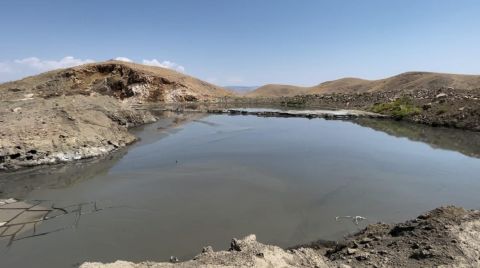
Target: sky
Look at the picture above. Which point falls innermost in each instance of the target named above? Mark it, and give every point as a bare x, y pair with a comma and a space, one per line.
245, 42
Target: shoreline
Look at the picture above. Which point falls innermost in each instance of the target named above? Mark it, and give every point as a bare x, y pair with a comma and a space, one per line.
443, 237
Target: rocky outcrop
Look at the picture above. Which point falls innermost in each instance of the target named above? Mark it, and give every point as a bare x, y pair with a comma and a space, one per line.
443, 237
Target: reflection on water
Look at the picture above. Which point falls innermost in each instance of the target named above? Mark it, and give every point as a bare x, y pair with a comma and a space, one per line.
19, 184
218, 177
465, 142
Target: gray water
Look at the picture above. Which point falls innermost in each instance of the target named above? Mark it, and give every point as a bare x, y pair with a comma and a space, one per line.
218, 177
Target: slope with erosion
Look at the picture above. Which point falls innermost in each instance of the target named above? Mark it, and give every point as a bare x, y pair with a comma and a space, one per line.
119, 79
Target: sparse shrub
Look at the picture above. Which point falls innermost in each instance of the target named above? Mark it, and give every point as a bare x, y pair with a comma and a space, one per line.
398, 108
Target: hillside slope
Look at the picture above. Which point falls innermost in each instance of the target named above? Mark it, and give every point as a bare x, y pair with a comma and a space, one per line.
404, 81
273, 90
120, 79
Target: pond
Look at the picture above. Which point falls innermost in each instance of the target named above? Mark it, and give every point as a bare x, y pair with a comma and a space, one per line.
208, 178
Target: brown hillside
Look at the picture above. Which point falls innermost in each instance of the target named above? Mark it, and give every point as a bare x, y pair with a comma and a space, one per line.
115, 78
404, 81
273, 90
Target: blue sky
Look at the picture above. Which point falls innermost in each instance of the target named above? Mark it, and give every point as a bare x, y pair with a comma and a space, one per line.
245, 42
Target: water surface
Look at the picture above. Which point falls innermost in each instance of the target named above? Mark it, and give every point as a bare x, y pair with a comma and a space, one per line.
218, 177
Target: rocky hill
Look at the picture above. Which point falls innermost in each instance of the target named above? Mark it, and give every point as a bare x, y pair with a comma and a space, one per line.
401, 82
122, 80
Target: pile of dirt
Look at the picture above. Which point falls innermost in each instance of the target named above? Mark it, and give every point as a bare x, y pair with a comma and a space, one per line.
443, 237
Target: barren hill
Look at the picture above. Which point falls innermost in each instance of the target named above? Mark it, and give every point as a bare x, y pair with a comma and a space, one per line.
115, 78
404, 81
273, 90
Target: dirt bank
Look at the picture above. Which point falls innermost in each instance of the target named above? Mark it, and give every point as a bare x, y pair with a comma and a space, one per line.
443, 237
46, 131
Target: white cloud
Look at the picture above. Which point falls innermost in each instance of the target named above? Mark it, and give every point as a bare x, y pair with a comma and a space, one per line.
123, 59
11, 70
46, 65
165, 64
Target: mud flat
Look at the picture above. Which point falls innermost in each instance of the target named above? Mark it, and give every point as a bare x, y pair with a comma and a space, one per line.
444, 237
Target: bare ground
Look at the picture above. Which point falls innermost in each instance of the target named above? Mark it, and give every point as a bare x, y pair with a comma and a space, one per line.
48, 131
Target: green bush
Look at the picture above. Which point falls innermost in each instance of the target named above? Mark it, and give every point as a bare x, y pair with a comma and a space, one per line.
398, 108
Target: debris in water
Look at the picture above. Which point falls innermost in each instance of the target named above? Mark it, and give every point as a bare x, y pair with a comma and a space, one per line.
22, 219
355, 219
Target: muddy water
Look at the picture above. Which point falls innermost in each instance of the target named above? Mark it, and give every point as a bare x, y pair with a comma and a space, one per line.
218, 177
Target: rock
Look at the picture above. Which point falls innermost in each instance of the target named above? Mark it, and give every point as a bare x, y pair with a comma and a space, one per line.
174, 259
427, 106
207, 249
7, 201
441, 95
235, 245
351, 251
421, 254
382, 252
16, 110
362, 257
366, 240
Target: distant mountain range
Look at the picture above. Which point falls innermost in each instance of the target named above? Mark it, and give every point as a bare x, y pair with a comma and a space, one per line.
241, 89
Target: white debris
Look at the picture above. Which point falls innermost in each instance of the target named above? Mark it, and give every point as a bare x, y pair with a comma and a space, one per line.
7, 201
355, 219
